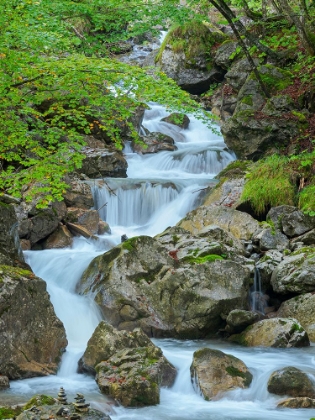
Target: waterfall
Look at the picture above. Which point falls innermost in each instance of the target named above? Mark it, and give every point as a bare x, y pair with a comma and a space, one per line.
258, 301
159, 191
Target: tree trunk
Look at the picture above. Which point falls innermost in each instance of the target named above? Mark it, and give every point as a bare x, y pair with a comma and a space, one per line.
306, 42
230, 17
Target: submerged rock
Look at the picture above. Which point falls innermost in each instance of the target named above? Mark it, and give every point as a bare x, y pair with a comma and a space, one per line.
274, 332
215, 372
32, 338
291, 381
134, 376
300, 402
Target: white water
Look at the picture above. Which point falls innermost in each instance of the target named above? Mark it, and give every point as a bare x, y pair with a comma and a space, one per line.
158, 192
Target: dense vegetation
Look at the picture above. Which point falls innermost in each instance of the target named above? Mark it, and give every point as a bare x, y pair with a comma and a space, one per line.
60, 82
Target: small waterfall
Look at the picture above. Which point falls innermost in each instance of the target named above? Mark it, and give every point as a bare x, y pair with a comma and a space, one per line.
258, 301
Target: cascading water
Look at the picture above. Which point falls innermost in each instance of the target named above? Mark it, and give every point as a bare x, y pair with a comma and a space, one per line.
159, 191
258, 300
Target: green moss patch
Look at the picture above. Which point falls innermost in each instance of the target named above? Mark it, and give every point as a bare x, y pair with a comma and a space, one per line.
9, 413
269, 184
39, 400
194, 39
202, 260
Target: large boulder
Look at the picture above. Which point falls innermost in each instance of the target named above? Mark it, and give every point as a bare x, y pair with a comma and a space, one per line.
32, 338
292, 382
240, 225
100, 163
256, 126
184, 56
141, 284
215, 372
134, 376
267, 264
60, 238
10, 248
292, 221
106, 341
78, 195
274, 332
301, 308
296, 273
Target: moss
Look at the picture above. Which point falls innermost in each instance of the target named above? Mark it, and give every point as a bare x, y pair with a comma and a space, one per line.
296, 328
39, 400
130, 243
275, 78
202, 260
9, 413
194, 39
300, 116
269, 185
233, 371
235, 169
247, 100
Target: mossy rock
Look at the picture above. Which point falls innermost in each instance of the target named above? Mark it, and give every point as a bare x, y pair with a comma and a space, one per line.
39, 400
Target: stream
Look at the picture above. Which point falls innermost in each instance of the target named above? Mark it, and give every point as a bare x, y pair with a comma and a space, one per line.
159, 191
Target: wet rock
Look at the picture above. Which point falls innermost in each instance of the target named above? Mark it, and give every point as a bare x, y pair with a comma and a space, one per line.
292, 382
239, 319
306, 239
168, 299
78, 230
100, 163
60, 238
43, 224
239, 224
88, 219
134, 376
103, 227
296, 273
181, 120
4, 382
300, 402
275, 332
32, 338
267, 264
301, 308
215, 372
153, 143
106, 341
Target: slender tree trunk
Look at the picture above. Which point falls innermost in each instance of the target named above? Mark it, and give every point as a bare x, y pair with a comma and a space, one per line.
306, 42
232, 22
255, 16
240, 28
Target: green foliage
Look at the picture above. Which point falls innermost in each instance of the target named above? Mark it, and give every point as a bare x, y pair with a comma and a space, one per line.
269, 184
9, 413
58, 85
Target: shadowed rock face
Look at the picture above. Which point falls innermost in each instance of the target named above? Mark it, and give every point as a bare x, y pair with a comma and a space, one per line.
10, 250
142, 284
215, 372
32, 338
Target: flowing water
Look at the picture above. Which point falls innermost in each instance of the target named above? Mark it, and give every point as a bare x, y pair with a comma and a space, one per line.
159, 191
